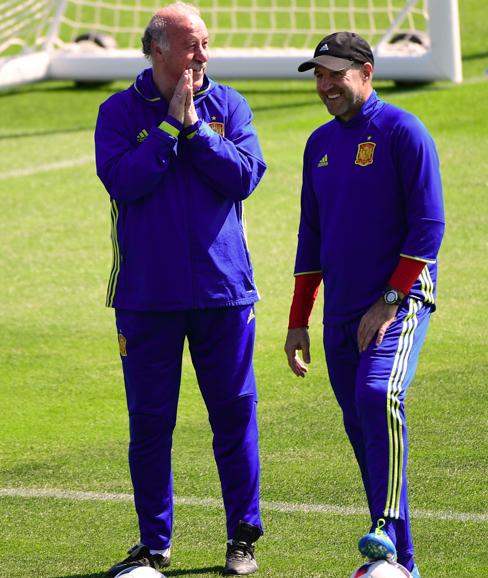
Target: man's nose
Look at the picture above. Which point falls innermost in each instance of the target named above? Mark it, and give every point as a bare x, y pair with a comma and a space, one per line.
201, 54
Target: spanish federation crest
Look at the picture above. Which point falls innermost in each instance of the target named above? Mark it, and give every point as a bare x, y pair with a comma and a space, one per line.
122, 345
217, 127
365, 154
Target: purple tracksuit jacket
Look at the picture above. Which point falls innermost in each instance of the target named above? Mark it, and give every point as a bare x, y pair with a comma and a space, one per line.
176, 198
371, 192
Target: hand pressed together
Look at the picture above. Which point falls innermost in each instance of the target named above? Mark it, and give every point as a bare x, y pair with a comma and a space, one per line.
181, 106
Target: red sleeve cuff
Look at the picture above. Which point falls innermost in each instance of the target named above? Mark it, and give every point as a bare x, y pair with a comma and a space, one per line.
306, 290
405, 274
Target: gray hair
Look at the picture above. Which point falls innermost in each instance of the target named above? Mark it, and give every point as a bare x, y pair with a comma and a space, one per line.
157, 29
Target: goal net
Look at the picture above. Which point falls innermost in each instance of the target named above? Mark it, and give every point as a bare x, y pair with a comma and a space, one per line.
100, 40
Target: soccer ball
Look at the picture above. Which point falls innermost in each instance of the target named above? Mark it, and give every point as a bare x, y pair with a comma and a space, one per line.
381, 569
139, 572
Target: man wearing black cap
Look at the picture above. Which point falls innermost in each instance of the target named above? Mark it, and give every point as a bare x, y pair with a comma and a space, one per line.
371, 225
347, 58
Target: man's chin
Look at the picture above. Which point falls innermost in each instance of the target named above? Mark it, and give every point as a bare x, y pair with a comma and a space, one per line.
198, 83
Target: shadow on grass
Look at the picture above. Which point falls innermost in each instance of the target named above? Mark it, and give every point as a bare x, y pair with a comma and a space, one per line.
49, 132
98, 575
61, 86
167, 573
194, 571
475, 56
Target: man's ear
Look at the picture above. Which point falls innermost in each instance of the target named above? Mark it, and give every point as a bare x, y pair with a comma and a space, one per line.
156, 51
367, 72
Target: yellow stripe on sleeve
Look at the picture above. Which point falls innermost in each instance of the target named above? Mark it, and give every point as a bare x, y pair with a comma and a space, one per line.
169, 128
307, 273
430, 261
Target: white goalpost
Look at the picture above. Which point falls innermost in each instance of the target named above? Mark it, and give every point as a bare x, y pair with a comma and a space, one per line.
100, 40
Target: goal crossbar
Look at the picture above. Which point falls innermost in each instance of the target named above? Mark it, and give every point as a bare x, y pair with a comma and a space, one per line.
439, 58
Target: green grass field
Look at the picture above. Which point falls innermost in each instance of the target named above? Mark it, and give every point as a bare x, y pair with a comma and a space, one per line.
64, 481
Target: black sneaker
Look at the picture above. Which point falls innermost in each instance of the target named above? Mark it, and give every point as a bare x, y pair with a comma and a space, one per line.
240, 552
139, 555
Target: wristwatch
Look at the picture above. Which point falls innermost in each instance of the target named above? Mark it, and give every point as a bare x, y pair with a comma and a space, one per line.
392, 297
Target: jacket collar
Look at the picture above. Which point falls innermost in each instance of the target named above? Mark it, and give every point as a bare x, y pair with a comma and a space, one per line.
145, 87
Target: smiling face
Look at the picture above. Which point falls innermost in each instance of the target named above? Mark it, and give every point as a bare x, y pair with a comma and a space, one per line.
345, 91
186, 47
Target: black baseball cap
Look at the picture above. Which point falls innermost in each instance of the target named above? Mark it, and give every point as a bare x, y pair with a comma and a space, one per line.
339, 51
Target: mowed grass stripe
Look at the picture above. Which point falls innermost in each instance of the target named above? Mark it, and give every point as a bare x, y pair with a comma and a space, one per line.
283, 507
30, 171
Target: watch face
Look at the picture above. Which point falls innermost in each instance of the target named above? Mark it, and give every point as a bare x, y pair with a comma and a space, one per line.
391, 297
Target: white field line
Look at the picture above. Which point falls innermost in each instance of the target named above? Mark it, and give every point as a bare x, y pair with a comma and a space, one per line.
215, 503
34, 170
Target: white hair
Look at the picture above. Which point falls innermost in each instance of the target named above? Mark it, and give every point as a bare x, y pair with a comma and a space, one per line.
157, 29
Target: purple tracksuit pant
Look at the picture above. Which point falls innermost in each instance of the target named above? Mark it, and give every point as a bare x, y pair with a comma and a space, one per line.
221, 343
371, 388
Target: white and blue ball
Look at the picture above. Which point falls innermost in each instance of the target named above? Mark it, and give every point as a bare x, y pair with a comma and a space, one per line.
381, 569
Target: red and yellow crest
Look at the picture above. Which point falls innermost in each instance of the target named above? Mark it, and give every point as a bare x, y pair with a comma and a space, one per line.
217, 127
365, 154
122, 345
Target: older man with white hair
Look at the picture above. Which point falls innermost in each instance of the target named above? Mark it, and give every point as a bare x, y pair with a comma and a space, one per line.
178, 155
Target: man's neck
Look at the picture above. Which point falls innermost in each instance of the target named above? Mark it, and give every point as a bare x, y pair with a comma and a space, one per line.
364, 98
163, 87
